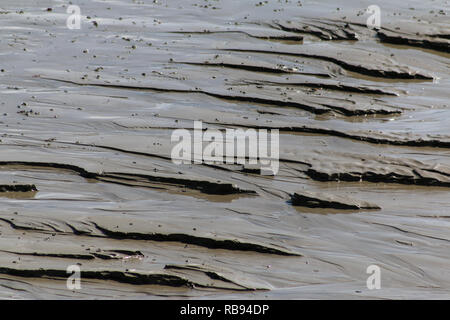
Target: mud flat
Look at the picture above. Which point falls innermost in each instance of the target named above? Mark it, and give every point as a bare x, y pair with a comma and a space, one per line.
86, 176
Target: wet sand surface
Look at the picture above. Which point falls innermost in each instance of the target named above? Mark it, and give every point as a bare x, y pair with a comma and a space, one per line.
86, 175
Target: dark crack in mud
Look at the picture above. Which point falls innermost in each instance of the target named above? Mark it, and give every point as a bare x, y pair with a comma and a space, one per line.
317, 200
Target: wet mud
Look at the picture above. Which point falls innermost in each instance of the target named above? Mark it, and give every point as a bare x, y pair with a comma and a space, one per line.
86, 176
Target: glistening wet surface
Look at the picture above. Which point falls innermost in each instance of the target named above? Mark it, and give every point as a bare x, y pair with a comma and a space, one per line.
86, 176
